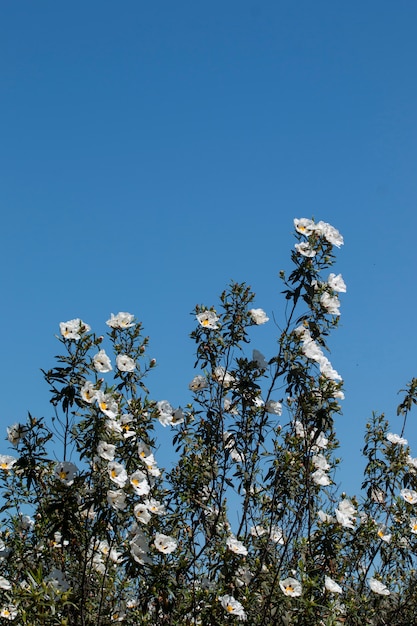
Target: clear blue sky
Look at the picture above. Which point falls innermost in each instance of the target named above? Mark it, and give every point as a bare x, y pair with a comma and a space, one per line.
151, 152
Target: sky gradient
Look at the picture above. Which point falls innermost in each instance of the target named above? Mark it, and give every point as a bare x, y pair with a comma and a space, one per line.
152, 152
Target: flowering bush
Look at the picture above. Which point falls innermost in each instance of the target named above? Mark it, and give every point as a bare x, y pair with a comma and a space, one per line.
105, 535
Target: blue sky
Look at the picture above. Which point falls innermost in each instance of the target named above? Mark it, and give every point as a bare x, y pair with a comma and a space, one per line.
152, 152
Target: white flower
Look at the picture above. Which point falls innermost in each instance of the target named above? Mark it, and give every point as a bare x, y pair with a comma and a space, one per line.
73, 329
125, 363
121, 320
139, 547
117, 499
383, 535
330, 233
274, 407
26, 522
198, 383
107, 404
258, 316
320, 462
208, 319
345, 513
141, 513
117, 473
330, 303
88, 392
66, 471
236, 546
106, 450
413, 525
139, 483
312, 350
321, 478
233, 607
325, 517
336, 283
155, 507
331, 585
321, 441
291, 587
5, 584
305, 249
412, 461
9, 612
276, 535
15, 433
164, 543
223, 377
257, 531
102, 362
304, 226
377, 587
150, 464
165, 411
396, 439
7, 461
125, 423
409, 495
327, 370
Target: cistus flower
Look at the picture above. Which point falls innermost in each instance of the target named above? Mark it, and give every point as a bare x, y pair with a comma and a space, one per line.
117, 473
73, 329
291, 587
208, 319
330, 304
274, 407
15, 433
198, 383
66, 471
121, 321
9, 612
164, 543
258, 316
125, 363
305, 249
396, 439
233, 607
378, 587
88, 392
331, 585
304, 226
236, 546
139, 483
409, 495
117, 499
5, 584
7, 461
336, 283
102, 362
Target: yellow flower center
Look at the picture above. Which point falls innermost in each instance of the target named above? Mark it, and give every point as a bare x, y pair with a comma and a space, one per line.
229, 608
62, 475
289, 588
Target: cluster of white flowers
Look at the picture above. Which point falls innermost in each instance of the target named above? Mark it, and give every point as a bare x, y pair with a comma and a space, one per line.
313, 351
345, 513
320, 476
167, 415
308, 227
